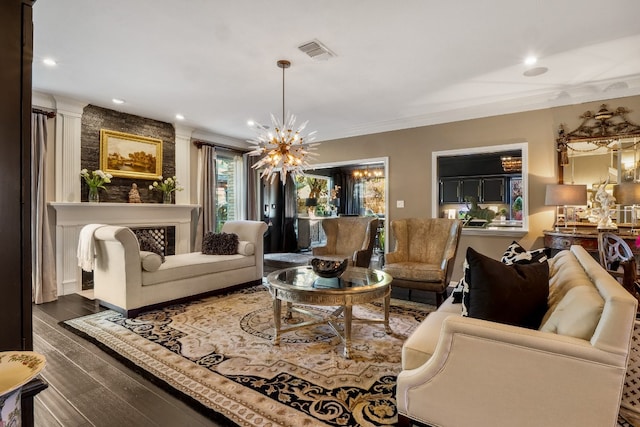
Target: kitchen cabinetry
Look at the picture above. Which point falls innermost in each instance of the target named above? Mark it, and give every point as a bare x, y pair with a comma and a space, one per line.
449, 191
493, 190
484, 190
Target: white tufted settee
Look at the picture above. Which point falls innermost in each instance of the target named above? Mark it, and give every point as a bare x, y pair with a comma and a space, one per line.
129, 281
462, 372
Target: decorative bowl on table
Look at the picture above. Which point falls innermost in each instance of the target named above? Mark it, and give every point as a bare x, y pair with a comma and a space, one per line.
329, 267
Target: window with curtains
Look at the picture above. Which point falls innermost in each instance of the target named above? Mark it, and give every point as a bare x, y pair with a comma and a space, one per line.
228, 191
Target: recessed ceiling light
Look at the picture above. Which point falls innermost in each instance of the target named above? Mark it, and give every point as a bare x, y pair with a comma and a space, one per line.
535, 71
530, 60
179, 117
117, 101
50, 62
250, 123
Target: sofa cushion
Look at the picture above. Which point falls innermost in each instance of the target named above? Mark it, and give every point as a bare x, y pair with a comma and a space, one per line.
220, 243
150, 261
421, 344
575, 305
512, 294
415, 271
183, 266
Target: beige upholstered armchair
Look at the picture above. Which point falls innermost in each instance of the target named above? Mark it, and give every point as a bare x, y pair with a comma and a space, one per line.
425, 253
349, 237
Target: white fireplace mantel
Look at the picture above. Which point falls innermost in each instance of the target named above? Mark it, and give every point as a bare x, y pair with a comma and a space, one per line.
71, 217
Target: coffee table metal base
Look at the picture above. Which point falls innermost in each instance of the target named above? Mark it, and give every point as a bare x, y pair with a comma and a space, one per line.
343, 314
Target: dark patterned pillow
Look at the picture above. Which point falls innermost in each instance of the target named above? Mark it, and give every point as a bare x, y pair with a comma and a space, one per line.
514, 294
220, 244
516, 254
458, 291
149, 244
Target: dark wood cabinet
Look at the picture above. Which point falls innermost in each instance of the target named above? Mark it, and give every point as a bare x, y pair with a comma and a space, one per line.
449, 191
471, 188
493, 190
483, 190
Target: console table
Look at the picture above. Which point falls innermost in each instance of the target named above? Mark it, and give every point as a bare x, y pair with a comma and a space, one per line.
588, 239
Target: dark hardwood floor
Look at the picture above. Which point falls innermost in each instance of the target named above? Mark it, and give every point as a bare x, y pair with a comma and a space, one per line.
87, 387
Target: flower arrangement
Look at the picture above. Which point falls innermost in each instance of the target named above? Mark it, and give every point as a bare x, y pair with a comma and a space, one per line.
95, 180
167, 186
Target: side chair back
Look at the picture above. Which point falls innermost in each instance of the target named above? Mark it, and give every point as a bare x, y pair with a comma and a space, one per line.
425, 253
618, 259
349, 237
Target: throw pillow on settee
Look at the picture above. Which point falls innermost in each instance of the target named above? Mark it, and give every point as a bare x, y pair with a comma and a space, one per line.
514, 254
513, 294
220, 243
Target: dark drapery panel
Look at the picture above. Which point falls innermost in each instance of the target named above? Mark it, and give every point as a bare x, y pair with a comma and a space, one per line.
290, 240
280, 214
254, 210
349, 195
206, 192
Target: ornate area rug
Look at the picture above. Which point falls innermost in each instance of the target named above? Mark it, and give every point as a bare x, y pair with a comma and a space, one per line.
217, 353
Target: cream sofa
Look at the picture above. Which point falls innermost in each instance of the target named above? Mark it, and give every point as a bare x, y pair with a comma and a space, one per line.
460, 371
121, 282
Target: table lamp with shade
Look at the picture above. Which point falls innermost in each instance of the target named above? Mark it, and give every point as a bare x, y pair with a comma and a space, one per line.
567, 196
628, 194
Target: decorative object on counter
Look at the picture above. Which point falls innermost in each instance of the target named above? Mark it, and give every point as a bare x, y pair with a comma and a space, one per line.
168, 186
283, 148
16, 369
329, 267
482, 216
95, 180
134, 194
565, 195
606, 203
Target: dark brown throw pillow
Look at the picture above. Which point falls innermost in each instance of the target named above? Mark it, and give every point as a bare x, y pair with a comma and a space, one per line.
149, 244
512, 294
220, 244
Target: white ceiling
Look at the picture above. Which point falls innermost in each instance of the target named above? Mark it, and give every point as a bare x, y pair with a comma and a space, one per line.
399, 64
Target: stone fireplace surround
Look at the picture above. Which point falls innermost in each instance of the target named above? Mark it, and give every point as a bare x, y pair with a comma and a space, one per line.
71, 217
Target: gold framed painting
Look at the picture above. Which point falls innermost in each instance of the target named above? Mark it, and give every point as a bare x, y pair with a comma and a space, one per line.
130, 156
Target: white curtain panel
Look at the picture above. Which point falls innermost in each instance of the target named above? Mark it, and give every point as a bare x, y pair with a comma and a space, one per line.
43, 271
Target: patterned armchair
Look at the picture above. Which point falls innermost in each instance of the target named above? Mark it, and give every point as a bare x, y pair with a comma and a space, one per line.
349, 237
425, 254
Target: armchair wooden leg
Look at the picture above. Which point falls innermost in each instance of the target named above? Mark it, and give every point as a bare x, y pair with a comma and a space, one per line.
440, 297
404, 421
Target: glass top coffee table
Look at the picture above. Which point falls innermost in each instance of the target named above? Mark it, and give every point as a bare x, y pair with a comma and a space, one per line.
300, 285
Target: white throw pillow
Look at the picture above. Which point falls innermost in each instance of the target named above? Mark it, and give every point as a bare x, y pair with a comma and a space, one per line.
150, 261
246, 248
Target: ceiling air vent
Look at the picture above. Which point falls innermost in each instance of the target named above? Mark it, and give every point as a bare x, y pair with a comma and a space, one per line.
316, 50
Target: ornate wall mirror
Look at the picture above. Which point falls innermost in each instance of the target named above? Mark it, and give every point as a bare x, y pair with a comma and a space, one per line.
603, 152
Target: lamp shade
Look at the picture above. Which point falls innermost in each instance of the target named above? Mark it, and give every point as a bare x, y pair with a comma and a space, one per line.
627, 193
566, 194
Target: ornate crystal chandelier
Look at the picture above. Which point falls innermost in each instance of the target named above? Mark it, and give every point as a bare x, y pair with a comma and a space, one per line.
283, 149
